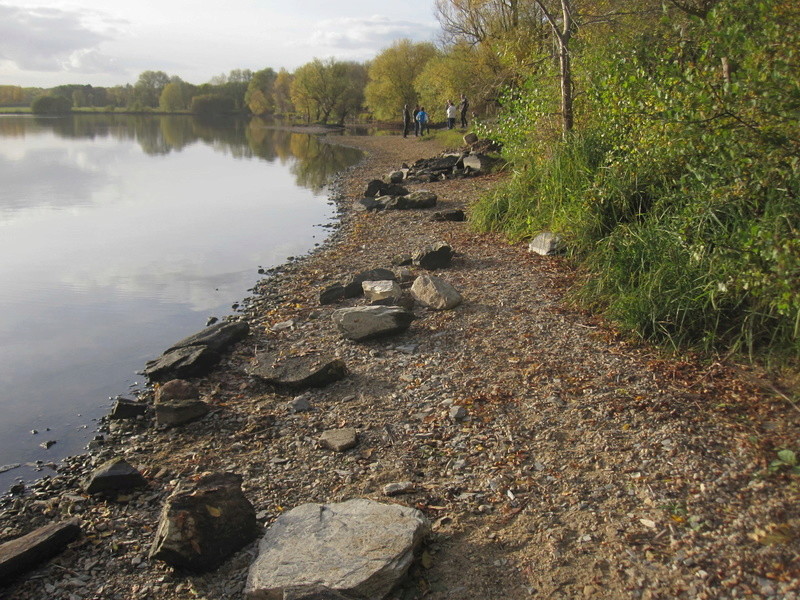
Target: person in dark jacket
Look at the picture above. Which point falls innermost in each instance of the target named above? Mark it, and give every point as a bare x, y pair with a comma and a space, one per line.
464, 106
406, 121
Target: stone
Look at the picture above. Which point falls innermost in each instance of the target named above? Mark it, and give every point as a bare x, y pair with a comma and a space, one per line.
171, 413
435, 256
455, 214
395, 176
369, 204
339, 440
435, 293
176, 389
419, 199
382, 292
400, 487
478, 163
26, 552
298, 372
127, 409
217, 338
353, 287
359, 548
401, 260
316, 592
376, 188
361, 323
458, 413
204, 522
470, 139
113, 476
332, 294
192, 361
546, 244
299, 404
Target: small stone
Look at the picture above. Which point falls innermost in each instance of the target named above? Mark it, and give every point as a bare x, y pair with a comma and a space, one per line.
458, 413
400, 487
339, 440
300, 404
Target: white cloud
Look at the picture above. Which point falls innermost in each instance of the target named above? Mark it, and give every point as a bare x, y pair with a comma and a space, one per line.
53, 39
367, 35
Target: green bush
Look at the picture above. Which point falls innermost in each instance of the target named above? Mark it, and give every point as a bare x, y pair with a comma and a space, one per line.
212, 104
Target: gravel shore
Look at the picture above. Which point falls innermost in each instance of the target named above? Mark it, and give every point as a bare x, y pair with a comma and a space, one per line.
582, 465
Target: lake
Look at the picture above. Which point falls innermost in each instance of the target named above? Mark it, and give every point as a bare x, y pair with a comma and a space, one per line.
121, 234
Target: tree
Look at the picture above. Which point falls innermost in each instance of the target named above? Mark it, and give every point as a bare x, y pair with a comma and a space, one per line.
212, 104
259, 96
51, 105
174, 97
149, 86
321, 89
391, 77
281, 92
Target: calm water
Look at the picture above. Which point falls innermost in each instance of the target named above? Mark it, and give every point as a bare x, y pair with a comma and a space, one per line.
120, 235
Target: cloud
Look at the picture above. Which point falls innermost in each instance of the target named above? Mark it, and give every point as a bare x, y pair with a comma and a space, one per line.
50, 39
367, 34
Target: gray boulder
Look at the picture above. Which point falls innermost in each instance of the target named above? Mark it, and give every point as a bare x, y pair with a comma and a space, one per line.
176, 389
420, 199
359, 548
204, 522
361, 323
435, 256
339, 440
127, 409
299, 372
382, 292
171, 413
332, 294
353, 287
546, 244
218, 337
435, 293
113, 476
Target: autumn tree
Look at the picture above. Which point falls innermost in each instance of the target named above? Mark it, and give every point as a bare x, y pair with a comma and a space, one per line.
391, 77
259, 95
175, 96
147, 89
321, 89
281, 92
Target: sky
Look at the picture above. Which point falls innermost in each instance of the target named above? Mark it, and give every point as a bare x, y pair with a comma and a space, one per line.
44, 43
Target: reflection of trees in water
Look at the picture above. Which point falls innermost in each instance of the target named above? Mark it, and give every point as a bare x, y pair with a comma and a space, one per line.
313, 161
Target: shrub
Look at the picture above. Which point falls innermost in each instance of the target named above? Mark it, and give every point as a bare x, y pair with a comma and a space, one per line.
51, 105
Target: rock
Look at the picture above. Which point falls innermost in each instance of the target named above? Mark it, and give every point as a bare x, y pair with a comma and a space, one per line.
401, 487
546, 244
396, 176
435, 293
298, 372
369, 204
353, 287
332, 294
455, 214
401, 260
470, 139
382, 292
339, 440
197, 354
217, 338
316, 592
176, 389
192, 361
436, 256
421, 199
299, 404
127, 409
114, 475
458, 413
478, 163
26, 552
10, 467
358, 548
204, 522
170, 413
361, 323
376, 188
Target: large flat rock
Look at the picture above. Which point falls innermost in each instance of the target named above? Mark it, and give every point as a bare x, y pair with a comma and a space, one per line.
361, 323
359, 548
26, 552
299, 372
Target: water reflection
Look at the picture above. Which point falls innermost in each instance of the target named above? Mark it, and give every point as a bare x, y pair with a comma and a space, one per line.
121, 234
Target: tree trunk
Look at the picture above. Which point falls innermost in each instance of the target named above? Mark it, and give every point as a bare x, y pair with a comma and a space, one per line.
566, 86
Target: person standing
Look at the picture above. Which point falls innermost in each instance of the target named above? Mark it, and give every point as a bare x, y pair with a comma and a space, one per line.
464, 106
451, 114
416, 121
422, 120
406, 120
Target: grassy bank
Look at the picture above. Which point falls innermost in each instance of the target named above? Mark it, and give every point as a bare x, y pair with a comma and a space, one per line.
679, 196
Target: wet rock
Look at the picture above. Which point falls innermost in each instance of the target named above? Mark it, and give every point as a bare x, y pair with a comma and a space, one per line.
369, 204
359, 548
435, 293
218, 337
435, 256
361, 323
298, 372
192, 361
455, 214
339, 440
204, 522
127, 409
114, 475
171, 413
354, 288
26, 552
176, 389
5, 468
546, 244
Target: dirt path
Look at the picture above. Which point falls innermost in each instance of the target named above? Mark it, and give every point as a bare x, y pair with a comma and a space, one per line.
586, 466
